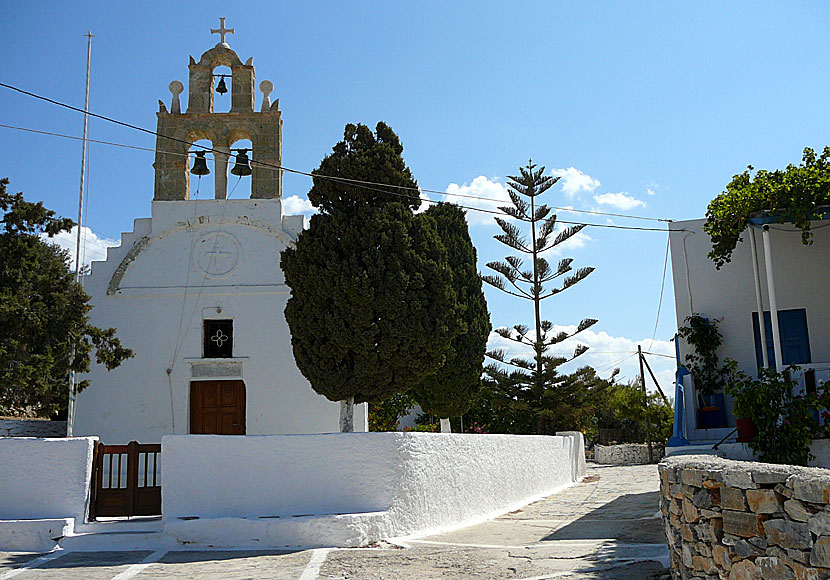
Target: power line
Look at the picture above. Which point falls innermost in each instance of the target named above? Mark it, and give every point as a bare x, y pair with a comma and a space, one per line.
361, 183
358, 183
662, 287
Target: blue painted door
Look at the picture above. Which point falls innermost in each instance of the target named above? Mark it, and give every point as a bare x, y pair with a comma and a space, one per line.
795, 338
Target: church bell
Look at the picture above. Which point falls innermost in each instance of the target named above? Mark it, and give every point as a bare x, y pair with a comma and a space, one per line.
199, 164
221, 88
242, 166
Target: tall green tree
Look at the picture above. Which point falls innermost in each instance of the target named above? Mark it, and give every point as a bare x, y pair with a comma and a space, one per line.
43, 313
535, 283
372, 310
449, 391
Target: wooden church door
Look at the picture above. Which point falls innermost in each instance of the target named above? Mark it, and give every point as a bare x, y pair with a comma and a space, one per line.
217, 407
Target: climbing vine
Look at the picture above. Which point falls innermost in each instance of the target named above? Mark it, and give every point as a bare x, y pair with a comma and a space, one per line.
796, 194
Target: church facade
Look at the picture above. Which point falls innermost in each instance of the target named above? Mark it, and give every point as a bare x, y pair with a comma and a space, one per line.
197, 290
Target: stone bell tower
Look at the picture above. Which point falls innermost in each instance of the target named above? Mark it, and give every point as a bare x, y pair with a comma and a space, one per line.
263, 127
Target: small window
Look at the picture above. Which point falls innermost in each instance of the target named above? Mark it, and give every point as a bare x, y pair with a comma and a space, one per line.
218, 339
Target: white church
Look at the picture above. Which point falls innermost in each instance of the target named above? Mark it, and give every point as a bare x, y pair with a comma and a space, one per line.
196, 290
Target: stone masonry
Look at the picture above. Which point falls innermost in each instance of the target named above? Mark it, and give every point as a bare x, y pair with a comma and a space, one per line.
740, 520
32, 428
626, 454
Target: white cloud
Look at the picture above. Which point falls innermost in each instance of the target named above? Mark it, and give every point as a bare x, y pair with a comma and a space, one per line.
93, 246
575, 242
619, 200
650, 191
494, 192
574, 181
605, 353
294, 204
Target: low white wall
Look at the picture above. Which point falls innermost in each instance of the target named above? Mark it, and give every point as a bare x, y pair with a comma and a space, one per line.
45, 478
271, 475
292, 490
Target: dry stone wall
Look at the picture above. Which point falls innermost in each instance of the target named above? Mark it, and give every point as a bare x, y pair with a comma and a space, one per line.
626, 454
741, 520
32, 428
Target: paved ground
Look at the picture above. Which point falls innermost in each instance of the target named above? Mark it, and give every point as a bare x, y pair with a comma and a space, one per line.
604, 528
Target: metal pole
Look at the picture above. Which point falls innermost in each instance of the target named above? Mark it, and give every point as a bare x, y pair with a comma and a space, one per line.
645, 405
70, 411
773, 305
762, 325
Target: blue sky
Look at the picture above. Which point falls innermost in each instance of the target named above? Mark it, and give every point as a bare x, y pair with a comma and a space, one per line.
646, 108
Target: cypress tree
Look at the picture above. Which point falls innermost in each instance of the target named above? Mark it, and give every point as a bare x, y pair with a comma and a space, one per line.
449, 391
372, 310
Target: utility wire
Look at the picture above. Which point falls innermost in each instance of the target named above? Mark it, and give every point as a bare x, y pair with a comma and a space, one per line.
662, 287
366, 184
331, 178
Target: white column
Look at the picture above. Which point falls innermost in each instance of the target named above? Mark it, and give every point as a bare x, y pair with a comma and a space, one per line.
773, 305
762, 325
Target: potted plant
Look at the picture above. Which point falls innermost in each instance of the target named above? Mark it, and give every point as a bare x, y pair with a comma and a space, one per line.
709, 376
741, 388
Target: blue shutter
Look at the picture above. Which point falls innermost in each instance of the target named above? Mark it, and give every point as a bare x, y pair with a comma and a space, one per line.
795, 338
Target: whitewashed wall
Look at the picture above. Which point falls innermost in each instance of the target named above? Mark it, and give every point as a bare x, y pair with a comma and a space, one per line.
801, 279
44, 478
160, 287
352, 489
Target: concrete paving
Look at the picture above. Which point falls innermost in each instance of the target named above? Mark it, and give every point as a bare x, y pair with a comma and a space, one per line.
606, 527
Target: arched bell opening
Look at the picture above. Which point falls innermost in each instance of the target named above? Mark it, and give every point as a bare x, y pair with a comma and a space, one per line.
241, 169
222, 87
201, 170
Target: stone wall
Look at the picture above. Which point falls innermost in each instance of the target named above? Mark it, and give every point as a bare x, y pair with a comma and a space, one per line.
626, 454
741, 520
32, 428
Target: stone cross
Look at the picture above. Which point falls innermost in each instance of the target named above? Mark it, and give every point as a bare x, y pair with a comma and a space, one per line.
222, 30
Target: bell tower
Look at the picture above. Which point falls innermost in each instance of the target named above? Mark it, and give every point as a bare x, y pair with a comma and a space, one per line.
263, 128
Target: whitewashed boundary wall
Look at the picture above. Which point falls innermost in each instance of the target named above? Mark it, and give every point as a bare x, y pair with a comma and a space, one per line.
350, 489
32, 428
44, 489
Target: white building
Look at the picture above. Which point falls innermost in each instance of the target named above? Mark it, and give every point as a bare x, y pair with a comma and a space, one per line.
796, 286
197, 291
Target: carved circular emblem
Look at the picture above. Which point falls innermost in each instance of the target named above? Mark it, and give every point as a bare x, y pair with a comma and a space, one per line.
216, 253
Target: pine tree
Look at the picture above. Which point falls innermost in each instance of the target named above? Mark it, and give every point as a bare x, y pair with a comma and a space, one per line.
449, 391
532, 379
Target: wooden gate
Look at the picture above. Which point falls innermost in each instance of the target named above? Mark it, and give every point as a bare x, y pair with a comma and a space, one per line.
126, 480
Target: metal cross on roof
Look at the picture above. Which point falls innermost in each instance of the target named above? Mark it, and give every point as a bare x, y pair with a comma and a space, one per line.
222, 30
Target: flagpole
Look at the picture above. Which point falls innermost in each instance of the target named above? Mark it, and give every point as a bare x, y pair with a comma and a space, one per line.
70, 412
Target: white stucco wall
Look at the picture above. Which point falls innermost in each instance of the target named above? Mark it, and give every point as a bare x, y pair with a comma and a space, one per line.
159, 295
728, 295
801, 275
351, 489
44, 478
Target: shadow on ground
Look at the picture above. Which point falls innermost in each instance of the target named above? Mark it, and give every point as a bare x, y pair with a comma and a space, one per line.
107, 558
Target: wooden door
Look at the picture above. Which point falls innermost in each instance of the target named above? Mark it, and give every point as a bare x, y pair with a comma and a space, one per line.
217, 407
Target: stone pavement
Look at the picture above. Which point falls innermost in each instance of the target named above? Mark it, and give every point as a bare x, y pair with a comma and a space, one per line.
606, 527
